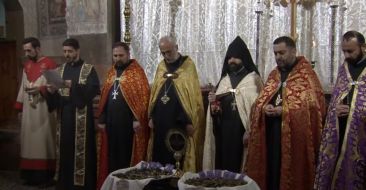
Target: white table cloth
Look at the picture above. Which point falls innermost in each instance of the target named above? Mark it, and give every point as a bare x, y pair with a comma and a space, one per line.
114, 183
251, 184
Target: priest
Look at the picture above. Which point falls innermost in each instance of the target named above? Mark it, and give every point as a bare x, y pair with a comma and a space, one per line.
76, 147
176, 104
38, 121
286, 123
342, 158
122, 113
228, 115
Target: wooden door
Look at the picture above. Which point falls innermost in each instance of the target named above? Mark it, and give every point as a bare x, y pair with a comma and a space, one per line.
8, 80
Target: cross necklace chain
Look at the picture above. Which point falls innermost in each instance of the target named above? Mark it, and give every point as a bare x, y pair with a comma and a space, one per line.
115, 87
233, 103
278, 100
165, 99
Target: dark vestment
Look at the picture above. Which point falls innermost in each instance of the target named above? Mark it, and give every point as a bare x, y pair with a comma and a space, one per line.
229, 130
81, 95
168, 116
228, 127
118, 118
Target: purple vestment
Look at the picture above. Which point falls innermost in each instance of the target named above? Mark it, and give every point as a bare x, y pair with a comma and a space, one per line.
344, 169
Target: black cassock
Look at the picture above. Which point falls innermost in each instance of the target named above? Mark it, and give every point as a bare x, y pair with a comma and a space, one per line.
167, 116
118, 118
229, 130
81, 95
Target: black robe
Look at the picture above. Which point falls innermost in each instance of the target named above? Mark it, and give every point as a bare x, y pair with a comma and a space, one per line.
228, 130
167, 116
118, 118
80, 96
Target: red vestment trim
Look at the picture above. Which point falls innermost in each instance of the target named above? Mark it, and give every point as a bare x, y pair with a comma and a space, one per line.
18, 106
37, 164
34, 70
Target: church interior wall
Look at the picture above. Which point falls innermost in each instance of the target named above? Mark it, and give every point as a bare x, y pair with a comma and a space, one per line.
94, 48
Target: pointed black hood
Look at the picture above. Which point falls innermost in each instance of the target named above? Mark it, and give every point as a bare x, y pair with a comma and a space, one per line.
238, 49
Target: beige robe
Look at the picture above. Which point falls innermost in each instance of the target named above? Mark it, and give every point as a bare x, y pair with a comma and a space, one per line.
38, 126
245, 96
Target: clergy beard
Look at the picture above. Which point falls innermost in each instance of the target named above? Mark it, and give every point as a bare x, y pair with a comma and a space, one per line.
285, 67
70, 59
234, 67
355, 61
120, 62
33, 58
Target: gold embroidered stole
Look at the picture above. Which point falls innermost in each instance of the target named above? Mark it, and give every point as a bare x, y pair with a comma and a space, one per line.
80, 131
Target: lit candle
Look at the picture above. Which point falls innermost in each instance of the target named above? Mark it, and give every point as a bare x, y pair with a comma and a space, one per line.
313, 51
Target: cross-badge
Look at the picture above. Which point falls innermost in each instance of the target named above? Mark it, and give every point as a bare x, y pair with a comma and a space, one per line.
115, 94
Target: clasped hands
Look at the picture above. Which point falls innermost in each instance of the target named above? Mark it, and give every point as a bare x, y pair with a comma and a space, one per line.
342, 110
211, 97
272, 111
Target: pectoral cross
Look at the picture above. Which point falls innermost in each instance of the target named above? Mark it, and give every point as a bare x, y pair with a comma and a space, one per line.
278, 100
165, 99
115, 94
233, 105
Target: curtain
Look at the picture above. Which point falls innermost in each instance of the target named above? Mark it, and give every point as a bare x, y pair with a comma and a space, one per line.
205, 28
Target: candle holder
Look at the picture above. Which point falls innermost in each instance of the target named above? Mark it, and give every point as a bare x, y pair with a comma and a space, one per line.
313, 64
333, 5
174, 7
127, 15
258, 12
